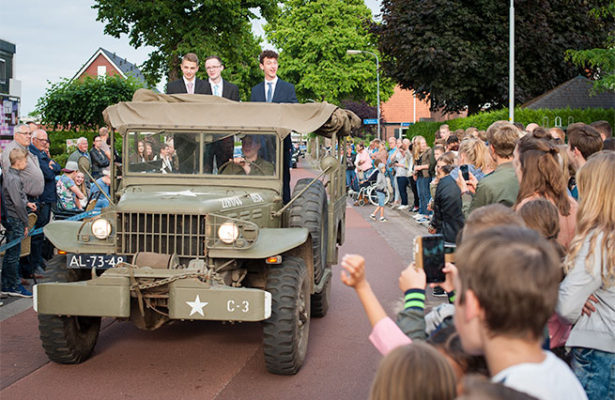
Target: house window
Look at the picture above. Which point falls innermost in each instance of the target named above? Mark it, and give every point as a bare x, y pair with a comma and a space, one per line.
102, 70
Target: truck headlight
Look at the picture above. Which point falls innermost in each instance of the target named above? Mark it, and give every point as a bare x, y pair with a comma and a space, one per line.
101, 228
228, 232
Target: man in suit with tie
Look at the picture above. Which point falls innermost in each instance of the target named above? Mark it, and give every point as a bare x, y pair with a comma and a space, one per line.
275, 90
189, 83
215, 85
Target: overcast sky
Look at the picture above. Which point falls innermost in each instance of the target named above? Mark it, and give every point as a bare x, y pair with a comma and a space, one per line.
54, 38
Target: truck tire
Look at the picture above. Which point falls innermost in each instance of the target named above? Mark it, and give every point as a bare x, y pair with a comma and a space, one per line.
67, 340
310, 211
285, 333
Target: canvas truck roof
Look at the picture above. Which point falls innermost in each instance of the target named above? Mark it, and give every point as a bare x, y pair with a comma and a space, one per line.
185, 111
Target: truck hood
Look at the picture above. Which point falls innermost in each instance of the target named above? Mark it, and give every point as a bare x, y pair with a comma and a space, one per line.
192, 200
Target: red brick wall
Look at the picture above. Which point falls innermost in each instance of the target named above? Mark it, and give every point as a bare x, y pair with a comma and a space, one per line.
92, 69
400, 107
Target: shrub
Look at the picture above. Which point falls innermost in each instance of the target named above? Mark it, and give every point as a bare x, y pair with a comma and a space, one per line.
543, 117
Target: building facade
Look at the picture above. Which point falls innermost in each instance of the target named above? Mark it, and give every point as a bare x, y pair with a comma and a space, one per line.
10, 92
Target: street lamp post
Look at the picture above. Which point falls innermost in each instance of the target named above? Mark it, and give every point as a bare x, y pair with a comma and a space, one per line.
511, 63
352, 52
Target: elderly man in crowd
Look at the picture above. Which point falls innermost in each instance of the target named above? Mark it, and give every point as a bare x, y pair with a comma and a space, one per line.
82, 151
32, 176
50, 169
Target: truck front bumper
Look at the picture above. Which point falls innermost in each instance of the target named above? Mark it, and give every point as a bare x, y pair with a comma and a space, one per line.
189, 299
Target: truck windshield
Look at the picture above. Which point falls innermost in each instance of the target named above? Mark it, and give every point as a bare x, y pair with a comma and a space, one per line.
203, 153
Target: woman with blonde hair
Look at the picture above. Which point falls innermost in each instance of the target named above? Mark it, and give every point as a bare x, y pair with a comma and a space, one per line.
414, 371
474, 152
590, 265
83, 187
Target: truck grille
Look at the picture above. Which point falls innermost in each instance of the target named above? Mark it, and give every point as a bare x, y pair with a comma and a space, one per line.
182, 234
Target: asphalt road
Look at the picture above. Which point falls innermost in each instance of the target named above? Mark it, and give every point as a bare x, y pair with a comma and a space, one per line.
211, 360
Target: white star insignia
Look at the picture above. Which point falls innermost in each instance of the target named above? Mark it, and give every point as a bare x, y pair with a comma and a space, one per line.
197, 306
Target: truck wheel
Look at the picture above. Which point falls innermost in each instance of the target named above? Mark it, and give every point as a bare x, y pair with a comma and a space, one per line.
285, 333
67, 340
310, 211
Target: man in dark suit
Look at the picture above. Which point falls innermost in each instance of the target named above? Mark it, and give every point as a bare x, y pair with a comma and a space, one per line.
275, 90
189, 83
215, 85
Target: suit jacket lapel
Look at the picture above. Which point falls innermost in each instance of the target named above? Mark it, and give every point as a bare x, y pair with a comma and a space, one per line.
225, 89
203, 87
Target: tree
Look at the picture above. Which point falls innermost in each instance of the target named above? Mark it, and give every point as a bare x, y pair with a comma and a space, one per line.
602, 60
80, 103
177, 27
363, 111
456, 52
313, 37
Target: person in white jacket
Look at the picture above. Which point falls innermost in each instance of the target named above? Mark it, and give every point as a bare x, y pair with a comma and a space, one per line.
591, 274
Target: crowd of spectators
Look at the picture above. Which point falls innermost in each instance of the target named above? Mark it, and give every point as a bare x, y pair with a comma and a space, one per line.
531, 296
34, 186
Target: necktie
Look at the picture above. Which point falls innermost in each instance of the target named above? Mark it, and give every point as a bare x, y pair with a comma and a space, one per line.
216, 90
269, 91
190, 86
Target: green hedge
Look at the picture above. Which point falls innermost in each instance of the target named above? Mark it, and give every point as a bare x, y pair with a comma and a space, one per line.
543, 117
58, 149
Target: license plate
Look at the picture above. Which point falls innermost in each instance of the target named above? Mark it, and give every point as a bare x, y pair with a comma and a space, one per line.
89, 261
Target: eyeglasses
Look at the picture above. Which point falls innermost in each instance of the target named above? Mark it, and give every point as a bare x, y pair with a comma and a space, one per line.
213, 67
42, 140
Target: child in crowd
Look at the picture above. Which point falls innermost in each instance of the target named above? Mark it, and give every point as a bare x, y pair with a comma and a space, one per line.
415, 371
381, 188
386, 336
506, 289
542, 216
591, 273
16, 223
69, 195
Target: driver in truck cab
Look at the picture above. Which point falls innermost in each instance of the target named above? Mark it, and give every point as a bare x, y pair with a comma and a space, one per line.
251, 163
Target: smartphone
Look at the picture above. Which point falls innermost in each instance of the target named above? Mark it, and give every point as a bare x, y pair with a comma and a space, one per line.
464, 172
429, 255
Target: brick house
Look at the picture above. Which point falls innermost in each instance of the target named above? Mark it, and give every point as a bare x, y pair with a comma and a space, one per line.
104, 62
402, 109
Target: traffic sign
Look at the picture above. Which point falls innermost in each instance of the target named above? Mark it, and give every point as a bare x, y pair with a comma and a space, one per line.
405, 124
370, 121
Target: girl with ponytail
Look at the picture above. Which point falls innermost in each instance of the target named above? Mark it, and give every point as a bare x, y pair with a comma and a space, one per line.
537, 165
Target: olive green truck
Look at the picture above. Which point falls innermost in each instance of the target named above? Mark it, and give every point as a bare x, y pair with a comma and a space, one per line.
196, 228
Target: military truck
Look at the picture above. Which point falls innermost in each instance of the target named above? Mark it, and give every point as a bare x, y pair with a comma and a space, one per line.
194, 233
